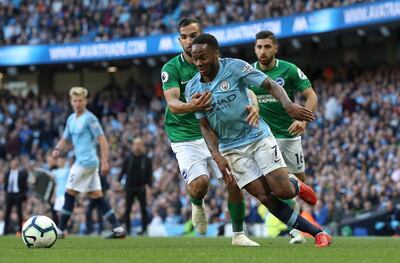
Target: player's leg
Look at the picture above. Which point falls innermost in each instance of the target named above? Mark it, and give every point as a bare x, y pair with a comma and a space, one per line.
197, 189
66, 211
74, 180
107, 212
292, 153
92, 186
239, 161
89, 216
259, 188
128, 207
193, 166
271, 162
237, 210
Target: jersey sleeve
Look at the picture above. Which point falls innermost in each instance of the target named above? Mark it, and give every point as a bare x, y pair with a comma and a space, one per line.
95, 127
169, 77
67, 134
189, 91
300, 80
250, 75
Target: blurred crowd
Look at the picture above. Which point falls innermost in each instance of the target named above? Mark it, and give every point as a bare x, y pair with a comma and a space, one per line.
56, 21
352, 150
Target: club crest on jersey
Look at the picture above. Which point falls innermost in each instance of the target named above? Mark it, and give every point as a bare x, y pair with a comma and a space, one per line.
225, 85
280, 81
164, 76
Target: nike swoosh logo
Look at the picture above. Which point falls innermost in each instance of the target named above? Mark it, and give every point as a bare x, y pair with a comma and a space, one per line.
184, 82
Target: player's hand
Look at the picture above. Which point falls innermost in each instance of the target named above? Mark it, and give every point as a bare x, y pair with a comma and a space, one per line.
253, 117
55, 153
297, 128
105, 167
201, 101
299, 113
225, 169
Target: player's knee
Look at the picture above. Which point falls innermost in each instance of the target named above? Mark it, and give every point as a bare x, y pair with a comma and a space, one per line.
72, 192
198, 187
284, 192
95, 194
263, 198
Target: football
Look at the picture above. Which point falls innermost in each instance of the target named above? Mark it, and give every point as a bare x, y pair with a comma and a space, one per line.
39, 232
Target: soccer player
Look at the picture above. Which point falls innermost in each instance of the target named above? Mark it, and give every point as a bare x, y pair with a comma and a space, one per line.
187, 142
250, 153
83, 130
285, 129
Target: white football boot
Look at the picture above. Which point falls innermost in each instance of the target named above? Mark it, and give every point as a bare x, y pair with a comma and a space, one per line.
199, 218
241, 239
297, 237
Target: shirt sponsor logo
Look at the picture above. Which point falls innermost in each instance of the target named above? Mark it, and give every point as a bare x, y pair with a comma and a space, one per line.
266, 98
225, 85
222, 103
280, 81
164, 76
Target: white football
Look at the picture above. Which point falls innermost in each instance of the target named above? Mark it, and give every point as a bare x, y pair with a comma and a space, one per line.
39, 232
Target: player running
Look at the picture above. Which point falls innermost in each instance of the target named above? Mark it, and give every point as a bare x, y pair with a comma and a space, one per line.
286, 130
251, 153
187, 142
83, 130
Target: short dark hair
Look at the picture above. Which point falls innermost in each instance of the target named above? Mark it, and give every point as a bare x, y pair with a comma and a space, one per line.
266, 34
187, 21
206, 39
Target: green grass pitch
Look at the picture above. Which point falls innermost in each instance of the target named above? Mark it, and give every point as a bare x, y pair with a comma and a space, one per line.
207, 250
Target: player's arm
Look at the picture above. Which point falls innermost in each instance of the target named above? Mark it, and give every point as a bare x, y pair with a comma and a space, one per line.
211, 139
199, 102
63, 142
311, 99
104, 153
253, 109
298, 127
293, 109
59, 147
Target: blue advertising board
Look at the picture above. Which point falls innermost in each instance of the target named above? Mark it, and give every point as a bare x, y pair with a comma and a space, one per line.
321, 21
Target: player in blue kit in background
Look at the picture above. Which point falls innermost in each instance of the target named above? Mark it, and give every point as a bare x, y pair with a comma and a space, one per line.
244, 153
83, 131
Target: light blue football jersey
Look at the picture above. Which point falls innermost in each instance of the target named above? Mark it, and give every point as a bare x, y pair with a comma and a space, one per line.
83, 133
229, 100
61, 178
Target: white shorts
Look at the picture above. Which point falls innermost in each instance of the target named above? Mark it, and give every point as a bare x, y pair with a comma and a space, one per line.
254, 160
292, 152
83, 179
59, 203
194, 160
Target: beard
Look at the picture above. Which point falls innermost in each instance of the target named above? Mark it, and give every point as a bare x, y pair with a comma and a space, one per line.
265, 60
187, 52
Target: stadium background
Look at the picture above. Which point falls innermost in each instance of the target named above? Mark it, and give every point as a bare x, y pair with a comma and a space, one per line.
352, 149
